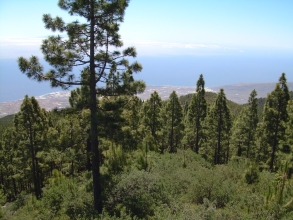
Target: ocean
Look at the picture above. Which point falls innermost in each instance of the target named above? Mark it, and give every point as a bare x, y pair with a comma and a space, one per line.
166, 70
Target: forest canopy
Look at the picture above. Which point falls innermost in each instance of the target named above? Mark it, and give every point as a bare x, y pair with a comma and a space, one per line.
153, 154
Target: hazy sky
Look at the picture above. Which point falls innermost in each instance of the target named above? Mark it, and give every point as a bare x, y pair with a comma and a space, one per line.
167, 27
228, 41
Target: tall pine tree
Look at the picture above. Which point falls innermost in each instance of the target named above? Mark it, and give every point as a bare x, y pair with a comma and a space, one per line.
9, 164
92, 46
151, 115
244, 127
275, 117
196, 114
31, 125
174, 121
288, 142
218, 125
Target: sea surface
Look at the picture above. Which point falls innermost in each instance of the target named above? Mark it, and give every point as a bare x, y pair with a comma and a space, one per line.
166, 70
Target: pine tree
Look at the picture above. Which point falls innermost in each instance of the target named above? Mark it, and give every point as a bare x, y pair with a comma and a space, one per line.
239, 131
164, 132
9, 162
288, 142
275, 117
244, 127
289, 125
174, 125
151, 115
71, 143
79, 98
89, 46
218, 125
196, 114
31, 125
252, 120
131, 132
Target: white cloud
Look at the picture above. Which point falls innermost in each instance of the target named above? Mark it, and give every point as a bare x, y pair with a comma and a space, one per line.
20, 41
11, 47
147, 44
171, 45
17, 46
175, 48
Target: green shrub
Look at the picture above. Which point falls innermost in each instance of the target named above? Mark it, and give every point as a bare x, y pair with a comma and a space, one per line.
2, 201
213, 185
251, 174
138, 192
19, 202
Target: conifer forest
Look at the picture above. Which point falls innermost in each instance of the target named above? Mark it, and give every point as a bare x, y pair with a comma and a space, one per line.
111, 155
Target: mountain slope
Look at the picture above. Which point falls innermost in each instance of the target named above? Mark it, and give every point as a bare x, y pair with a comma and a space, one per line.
237, 93
210, 98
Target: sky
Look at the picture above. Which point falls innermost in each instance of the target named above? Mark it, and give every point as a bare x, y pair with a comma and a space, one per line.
227, 41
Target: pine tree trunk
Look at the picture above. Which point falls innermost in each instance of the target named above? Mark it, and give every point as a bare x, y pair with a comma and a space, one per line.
2, 178
249, 136
215, 154
239, 152
88, 151
34, 169
227, 154
274, 147
248, 146
153, 120
172, 129
38, 177
219, 140
197, 124
14, 187
93, 108
196, 142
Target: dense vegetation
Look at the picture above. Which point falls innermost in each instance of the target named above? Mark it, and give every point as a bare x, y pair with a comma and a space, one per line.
5, 122
149, 164
113, 156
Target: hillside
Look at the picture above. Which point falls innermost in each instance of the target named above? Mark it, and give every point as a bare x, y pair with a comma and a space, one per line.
237, 93
235, 108
139, 180
210, 98
5, 122
174, 186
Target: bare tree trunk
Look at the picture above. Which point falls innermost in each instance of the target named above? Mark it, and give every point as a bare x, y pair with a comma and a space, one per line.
274, 146
172, 129
94, 124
